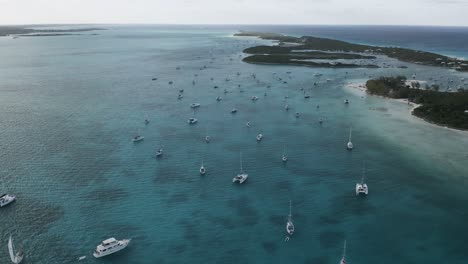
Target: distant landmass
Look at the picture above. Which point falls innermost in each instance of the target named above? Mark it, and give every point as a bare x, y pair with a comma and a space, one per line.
25, 31
294, 50
441, 108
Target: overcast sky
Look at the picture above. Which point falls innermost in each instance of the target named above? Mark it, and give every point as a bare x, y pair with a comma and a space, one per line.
369, 12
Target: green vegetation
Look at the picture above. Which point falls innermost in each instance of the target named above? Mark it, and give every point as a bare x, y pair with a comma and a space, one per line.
324, 44
442, 108
299, 60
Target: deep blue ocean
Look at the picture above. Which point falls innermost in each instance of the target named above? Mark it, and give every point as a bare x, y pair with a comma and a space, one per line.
70, 105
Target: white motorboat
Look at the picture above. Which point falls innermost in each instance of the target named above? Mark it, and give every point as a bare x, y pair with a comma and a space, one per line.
194, 105
349, 145
259, 137
289, 223
16, 257
254, 98
207, 139
147, 120
242, 176
346, 101
110, 246
6, 199
219, 98
343, 258
286, 107
180, 96
298, 115
321, 120
233, 111
138, 138
306, 96
192, 120
247, 124
202, 169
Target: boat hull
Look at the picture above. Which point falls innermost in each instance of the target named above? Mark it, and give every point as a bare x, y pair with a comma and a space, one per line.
123, 244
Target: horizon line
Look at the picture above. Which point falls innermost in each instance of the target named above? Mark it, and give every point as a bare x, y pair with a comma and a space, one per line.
233, 24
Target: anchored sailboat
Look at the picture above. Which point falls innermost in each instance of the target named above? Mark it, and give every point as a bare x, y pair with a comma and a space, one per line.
349, 146
343, 260
202, 169
15, 257
242, 176
285, 157
289, 223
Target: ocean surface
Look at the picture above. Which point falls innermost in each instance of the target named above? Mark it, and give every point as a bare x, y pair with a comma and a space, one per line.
70, 105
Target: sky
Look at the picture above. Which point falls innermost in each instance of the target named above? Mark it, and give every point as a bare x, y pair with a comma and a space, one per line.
322, 12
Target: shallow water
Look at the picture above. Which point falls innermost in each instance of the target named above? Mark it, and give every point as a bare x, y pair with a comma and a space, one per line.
70, 105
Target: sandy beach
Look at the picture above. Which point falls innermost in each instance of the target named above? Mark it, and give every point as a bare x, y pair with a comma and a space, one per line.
359, 88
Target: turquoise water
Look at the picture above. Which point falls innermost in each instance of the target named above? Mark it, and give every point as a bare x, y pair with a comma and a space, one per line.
70, 105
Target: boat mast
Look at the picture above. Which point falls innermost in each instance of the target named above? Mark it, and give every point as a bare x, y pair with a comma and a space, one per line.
290, 210
350, 129
363, 173
344, 250
240, 157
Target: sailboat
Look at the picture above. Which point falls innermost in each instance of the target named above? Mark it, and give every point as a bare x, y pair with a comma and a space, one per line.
202, 169
242, 176
349, 146
284, 158
343, 260
159, 152
15, 257
207, 137
289, 223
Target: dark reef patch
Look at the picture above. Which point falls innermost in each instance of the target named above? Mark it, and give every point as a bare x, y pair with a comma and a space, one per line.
330, 239
107, 194
269, 247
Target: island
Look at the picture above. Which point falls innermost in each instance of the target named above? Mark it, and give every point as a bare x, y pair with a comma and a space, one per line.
24, 31
442, 108
303, 50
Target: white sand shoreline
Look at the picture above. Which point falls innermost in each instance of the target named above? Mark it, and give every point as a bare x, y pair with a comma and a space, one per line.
361, 87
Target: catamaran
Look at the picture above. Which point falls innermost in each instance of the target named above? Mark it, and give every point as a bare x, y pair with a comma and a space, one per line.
16, 257
242, 176
361, 187
110, 246
349, 146
289, 223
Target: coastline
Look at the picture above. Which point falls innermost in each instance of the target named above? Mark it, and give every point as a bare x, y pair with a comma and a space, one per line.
361, 87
